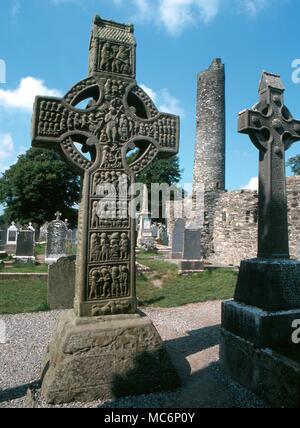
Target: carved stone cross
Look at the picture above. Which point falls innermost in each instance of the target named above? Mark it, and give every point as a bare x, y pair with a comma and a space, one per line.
58, 215
118, 118
272, 130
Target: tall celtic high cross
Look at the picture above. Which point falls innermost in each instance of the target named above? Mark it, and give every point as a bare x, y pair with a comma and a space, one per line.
118, 118
272, 130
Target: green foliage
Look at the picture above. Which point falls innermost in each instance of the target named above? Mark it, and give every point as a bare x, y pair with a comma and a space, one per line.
38, 185
20, 296
161, 171
177, 290
294, 163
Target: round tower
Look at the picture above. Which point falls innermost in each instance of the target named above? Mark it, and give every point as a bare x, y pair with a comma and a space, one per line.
209, 168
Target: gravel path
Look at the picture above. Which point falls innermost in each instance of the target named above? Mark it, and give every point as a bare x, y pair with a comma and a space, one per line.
191, 335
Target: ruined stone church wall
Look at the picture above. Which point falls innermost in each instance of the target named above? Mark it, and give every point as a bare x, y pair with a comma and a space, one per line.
234, 226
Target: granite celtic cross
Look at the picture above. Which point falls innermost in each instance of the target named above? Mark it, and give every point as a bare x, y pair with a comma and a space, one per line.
118, 117
273, 130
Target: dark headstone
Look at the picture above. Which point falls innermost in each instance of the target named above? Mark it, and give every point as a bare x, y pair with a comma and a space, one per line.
61, 283
192, 262
25, 245
192, 244
3, 236
178, 239
56, 240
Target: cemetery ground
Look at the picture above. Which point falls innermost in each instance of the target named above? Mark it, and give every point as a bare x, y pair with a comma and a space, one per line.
186, 310
158, 285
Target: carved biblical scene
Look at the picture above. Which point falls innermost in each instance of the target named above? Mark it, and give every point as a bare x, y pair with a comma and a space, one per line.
109, 282
96, 126
110, 184
115, 58
109, 246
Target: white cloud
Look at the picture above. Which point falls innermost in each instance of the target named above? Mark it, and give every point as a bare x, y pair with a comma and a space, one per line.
252, 185
165, 102
23, 96
152, 94
6, 150
253, 7
175, 15
170, 104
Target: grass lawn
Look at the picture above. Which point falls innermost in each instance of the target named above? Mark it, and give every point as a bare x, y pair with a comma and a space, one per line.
23, 296
25, 268
162, 287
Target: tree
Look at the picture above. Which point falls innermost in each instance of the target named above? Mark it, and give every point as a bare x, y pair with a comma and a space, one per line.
161, 171
294, 163
38, 185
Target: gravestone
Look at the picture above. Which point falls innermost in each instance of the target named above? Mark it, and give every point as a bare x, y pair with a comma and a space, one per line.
43, 232
256, 343
56, 240
163, 236
154, 231
25, 246
191, 251
11, 241
104, 348
178, 239
145, 238
61, 283
3, 237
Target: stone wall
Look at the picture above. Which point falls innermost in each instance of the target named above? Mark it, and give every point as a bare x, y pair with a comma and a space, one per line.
234, 228
230, 227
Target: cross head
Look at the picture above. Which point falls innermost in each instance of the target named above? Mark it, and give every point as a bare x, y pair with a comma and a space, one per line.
273, 130
106, 129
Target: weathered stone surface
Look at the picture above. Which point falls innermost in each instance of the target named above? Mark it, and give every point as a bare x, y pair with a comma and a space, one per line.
192, 245
273, 285
272, 281
11, 241
273, 130
191, 266
120, 118
268, 374
123, 357
178, 239
56, 240
25, 245
61, 283
209, 167
262, 328
3, 236
231, 222
105, 358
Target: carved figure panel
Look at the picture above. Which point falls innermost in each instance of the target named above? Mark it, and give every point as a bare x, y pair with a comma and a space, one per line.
109, 282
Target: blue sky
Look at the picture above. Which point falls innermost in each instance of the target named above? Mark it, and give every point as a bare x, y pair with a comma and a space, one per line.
44, 44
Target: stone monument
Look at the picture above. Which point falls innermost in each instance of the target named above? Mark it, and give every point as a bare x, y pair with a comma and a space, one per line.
3, 237
256, 345
43, 232
25, 246
105, 348
11, 241
209, 162
178, 239
191, 261
145, 238
61, 283
56, 240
